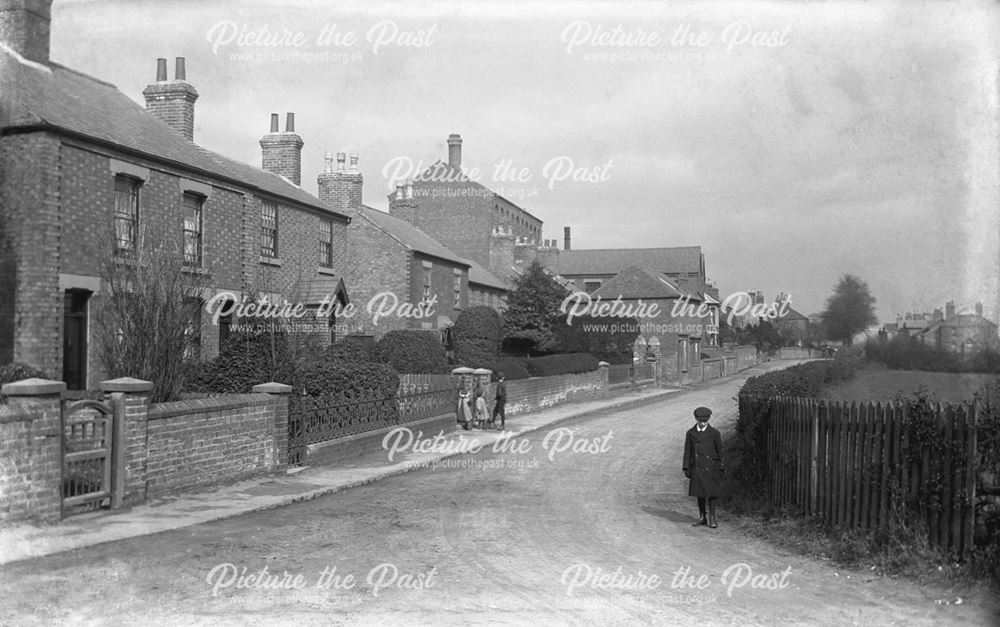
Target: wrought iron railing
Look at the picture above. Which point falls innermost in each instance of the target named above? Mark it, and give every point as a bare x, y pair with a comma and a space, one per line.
314, 419
619, 373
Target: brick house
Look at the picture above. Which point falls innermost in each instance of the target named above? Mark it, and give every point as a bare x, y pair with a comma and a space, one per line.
674, 323
79, 159
402, 264
464, 215
792, 326
963, 332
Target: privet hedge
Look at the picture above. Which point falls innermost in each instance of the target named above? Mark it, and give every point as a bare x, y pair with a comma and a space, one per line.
413, 352
476, 337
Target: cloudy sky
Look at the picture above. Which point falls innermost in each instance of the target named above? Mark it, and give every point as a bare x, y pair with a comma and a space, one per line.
794, 142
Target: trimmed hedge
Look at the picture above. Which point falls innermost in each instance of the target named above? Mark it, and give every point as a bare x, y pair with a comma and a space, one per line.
343, 369
512, 367
476, 337
412, 352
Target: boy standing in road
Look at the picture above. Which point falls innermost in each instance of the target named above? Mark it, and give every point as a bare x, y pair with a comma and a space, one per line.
703, 464
501, 403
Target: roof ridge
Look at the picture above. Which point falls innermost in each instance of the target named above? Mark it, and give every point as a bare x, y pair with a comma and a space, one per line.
82, 74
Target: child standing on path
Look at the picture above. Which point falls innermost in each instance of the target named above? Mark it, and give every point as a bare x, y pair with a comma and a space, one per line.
703, 464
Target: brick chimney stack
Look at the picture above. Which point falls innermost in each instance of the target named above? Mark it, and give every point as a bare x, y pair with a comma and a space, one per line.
172, 101
402, 205
340, 187
979, 309
24, 27
282, 152
455, 151
949, 310
501, 253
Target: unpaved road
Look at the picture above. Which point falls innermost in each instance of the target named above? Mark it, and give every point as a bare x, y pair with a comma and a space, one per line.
517, 545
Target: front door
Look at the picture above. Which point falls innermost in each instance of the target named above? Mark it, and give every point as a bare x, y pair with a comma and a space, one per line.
75, 339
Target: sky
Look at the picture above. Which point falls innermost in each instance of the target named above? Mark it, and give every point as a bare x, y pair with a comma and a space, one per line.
794, 142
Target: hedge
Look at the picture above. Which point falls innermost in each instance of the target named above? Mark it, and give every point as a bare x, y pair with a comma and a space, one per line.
476, 337
548, 366
512, 367
15, 371
412, 352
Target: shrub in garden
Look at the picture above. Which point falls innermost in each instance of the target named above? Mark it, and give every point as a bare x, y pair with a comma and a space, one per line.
476, 337
15, 371
333, 377
513, 368
412, 352
244, 361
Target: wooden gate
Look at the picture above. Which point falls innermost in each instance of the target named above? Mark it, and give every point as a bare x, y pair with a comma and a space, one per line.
90, 430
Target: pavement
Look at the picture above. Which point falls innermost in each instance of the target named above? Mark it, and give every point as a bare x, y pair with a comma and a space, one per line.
299, 484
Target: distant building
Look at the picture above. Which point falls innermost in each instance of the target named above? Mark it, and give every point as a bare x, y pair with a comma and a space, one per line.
963, 331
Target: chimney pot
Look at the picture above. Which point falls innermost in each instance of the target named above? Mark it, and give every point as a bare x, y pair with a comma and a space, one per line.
290, 123
274, 122
455, 151
161, 70
328, 162
179, 73
341, 158
566, 238
400, 191
354, 162
409, 188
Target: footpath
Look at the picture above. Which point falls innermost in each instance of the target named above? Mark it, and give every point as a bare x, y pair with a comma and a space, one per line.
25, 542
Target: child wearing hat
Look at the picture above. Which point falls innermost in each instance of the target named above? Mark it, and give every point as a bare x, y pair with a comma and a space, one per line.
702, 465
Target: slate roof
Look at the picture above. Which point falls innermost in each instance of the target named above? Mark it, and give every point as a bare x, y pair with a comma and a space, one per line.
481, 276
410, 236
56, 97
605, 261
792, 316
634, 283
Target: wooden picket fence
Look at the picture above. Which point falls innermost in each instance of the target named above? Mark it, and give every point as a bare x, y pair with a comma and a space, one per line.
852, 464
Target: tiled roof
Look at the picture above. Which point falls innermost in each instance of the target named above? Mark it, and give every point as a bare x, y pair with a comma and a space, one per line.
58, 97
605, 261
481, 276
634, 283
792, 316
410, 236
318, 288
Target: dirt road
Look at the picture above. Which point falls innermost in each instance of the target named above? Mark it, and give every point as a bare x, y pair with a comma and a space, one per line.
585, 523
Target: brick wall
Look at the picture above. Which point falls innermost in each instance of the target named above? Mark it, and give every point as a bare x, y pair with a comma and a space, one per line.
30, 461
30, 200
527, 395
455, 214
205, 442
746, 356
386, 269
442, 286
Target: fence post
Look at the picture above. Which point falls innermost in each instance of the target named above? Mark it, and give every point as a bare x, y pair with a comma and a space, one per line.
815, 408
280, 393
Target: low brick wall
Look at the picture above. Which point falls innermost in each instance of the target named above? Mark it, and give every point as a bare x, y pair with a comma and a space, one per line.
199, 443
528, 395
794, 352
409, 383
746, 356
729, 365
30, 462
711, 369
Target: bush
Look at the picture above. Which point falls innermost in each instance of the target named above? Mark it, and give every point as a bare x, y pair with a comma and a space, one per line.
476, 337
804, 380
352, 349
512, 367
244, 361
331, 377
15, 371
904, 353
412, 352
552, 365
589, 334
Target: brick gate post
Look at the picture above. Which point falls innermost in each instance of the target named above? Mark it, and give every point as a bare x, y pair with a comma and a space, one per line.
130, 399
279, 393
32, 426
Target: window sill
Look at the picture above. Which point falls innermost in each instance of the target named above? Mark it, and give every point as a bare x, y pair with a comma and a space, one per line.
196, 270
325, 270
270, 261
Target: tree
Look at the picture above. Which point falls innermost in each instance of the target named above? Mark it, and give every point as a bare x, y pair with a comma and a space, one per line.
849, 310
149, 308
533, 308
